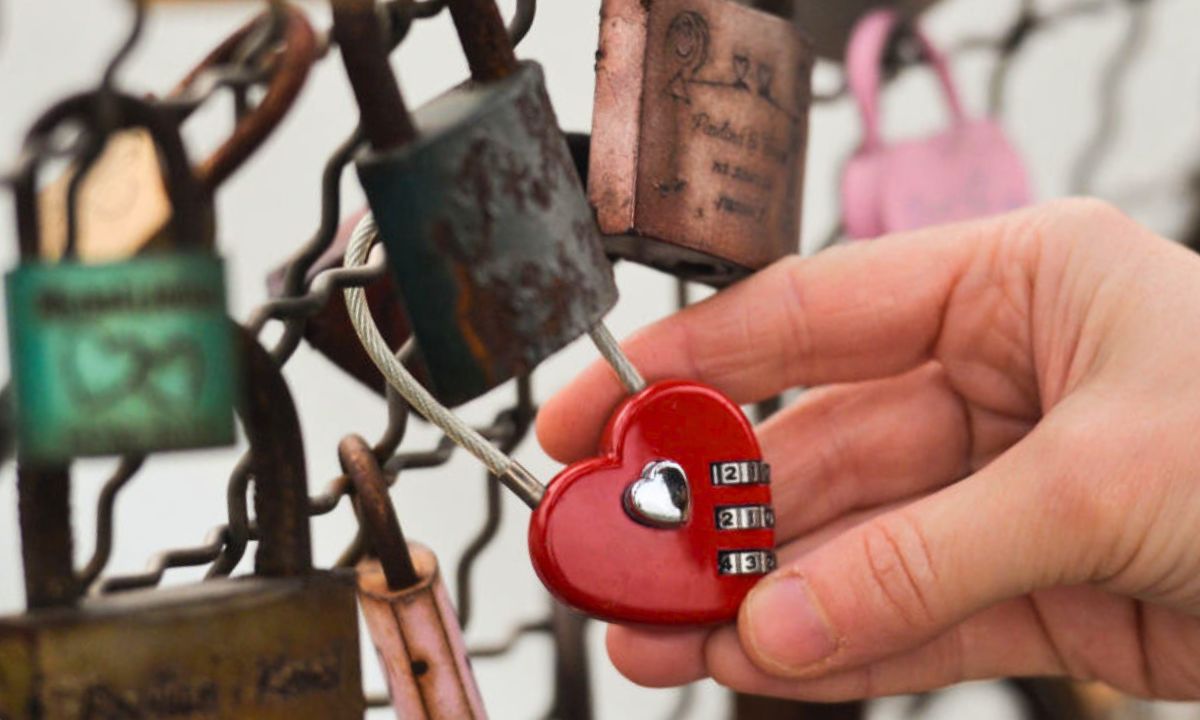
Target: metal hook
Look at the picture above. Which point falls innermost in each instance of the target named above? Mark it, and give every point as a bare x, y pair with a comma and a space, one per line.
376, 514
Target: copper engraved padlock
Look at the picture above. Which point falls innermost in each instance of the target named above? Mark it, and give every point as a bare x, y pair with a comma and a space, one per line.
699, 135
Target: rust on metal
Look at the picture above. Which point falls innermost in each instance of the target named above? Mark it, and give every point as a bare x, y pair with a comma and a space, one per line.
376, 514
47, 546
290, 67
418, 641
484, 39
359, 34
489, 234
713, 99
277, 460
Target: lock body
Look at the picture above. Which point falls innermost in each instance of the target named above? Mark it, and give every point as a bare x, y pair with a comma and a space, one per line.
489, 235
672, 524
419, 643
133, 356
699, 136
245, 648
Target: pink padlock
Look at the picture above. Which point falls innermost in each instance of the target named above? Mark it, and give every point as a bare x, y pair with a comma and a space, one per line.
967, 171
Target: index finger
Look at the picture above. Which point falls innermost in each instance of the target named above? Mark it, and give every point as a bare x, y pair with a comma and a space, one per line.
855, 312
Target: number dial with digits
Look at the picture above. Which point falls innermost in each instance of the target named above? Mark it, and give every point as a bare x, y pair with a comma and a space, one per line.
593, 555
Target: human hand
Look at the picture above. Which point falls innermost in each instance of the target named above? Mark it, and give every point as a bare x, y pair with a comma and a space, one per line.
998, 475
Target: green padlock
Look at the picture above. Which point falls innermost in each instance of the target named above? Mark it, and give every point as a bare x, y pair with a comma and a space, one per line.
124, 357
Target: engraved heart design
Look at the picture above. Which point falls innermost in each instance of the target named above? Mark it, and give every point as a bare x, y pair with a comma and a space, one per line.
592, 554
104, 369
660, 497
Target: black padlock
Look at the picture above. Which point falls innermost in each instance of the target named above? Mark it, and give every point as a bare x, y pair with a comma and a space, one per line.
282, 643
487, 228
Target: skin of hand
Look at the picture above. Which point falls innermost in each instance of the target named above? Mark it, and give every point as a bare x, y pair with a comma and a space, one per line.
996, 473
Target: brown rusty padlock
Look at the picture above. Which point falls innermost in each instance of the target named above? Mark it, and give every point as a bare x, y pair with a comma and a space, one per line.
699, 135
408, 611
281, 644
123, 206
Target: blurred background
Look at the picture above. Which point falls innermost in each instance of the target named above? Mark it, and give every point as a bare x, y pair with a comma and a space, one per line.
1105, 101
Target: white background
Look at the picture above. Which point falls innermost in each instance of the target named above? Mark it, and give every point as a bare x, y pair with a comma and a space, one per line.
52, 47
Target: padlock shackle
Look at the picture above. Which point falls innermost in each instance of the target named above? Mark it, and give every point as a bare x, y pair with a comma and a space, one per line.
384, 118
277, 463
376, 514
289, 72
484, 38
190, 223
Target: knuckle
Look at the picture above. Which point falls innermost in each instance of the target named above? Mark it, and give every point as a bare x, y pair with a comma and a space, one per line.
1090, 221
900, 569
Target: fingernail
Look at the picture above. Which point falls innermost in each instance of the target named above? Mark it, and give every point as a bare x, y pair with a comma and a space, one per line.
786, 627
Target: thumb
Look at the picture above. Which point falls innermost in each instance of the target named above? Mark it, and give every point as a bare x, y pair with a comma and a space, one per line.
1023, 522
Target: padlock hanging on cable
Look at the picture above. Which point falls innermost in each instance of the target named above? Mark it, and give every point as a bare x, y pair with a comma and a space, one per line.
699, 135
408, 612
672, 522
121, 357
489, 234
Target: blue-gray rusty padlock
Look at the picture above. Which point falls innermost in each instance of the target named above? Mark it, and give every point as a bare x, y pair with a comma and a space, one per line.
486, 224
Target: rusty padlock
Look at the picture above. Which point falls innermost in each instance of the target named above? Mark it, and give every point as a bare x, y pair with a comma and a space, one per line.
123, 205
408, 611
489, 234
699, 136
121, 357
281, 644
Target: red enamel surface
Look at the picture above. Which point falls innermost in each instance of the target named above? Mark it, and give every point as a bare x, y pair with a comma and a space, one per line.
594, 557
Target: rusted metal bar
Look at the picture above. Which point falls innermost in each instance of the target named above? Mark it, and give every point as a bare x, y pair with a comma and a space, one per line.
484, 39
376, 514
44, 498
385, 120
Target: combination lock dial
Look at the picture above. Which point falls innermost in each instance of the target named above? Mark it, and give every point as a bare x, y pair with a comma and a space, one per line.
671, 525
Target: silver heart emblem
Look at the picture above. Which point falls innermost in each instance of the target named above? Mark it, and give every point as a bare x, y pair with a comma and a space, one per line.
660, 497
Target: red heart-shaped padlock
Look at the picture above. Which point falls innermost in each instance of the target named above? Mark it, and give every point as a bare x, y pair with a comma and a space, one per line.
671, 525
